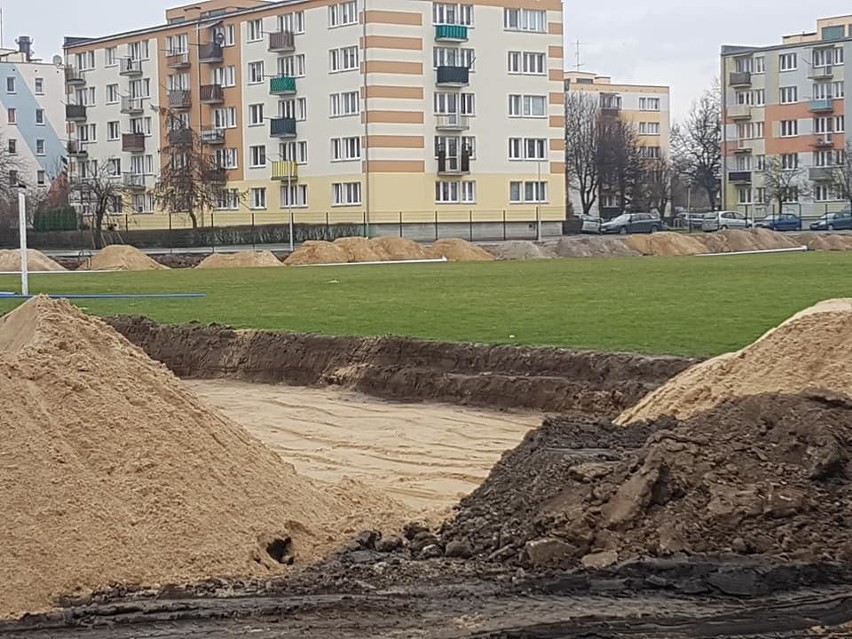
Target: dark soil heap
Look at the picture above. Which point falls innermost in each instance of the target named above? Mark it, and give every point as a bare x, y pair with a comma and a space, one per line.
764, 475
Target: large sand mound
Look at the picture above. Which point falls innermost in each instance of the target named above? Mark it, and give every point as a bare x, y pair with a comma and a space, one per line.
358, 249
316, 252
585, 246
811, 349
521, 250
118, 257
36, 261
458, 250
736, 240
243, 259
665, 243
397, 249
111, 471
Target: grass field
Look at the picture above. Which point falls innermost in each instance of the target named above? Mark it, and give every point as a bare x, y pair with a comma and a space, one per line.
691, 306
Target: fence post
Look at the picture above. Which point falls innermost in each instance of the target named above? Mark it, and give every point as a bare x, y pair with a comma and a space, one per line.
212, 232
327, 231
171, 239
436, 225
401, 234
126, 222
366, 230
504, 225
253, 241
470, 224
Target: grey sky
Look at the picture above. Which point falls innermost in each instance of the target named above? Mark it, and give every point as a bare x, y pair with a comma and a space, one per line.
674, 42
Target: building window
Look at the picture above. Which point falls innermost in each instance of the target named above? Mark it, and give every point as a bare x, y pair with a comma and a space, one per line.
527, 63
294, 22
447, 103
789, 128
113, 131
450, 13
825, 193
39, 117
255, 72
789, 95
227, 158
13, 146
790, 161
13, 178
787, 62
759, 64
257, 155
649, 128
138, 89
110, 57
527, 148
137, 50
40, 148
839, 89
225, 118
258, 198
649, 104
255, 30
292, 65
225, 76
294, 108
41, 178
744, 195
140, 125
12, 116
344, 59
344, 149
527, 192
294, 152
454, 57
525, 20
650, 152
295, 196
342, 14
114, 166
528, 106
255, 114
454, 192
759, 97
11, 84
228, 200
343, 104
112, 94
346, 193
840, 123
39, 86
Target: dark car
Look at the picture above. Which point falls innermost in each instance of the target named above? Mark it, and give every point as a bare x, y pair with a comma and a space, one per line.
781, 222
833, 222
633, 223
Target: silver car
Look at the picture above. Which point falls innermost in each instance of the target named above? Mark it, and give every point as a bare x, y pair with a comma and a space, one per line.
724, 220
591, 224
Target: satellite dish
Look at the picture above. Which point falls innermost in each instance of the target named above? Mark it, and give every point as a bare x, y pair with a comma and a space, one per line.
57, 61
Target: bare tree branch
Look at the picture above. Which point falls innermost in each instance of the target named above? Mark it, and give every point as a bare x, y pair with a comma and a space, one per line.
582, 128
840, 175
783, 185
697, 144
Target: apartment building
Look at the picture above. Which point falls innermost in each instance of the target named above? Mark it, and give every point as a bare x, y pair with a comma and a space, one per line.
32, 118
647, 107
786, 102
365, 108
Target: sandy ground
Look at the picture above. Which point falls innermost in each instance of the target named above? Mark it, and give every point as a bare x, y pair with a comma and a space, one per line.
424, 455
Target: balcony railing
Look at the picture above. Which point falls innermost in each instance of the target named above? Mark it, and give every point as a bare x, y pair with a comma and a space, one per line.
740, 79
823, 72
216, 175
285, 170
282, 128
822, 104
212, 94
739, 176
453, 76
212, 135
130, 67
450, 33
282, 85
282, 42
134, 181
180, 137
824, 141
743, 146
821, 173
739, 112
75, 112
133, 142
77, 148
452, 122
131, 106
74, 77
211, 53
178, 60
180, 99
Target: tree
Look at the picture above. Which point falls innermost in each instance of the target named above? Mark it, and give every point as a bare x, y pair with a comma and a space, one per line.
697, 144
99, 192
655, 188
620, 160
582, 128
783, 184
840, 175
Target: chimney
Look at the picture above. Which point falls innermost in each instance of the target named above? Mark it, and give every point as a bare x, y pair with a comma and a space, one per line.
25, 46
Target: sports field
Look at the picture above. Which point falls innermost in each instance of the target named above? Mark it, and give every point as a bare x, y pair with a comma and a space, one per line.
690, 306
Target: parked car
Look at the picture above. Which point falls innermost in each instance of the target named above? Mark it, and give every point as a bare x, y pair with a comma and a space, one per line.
781, 222
723, 220
591, 224
633, 223
695, 221
833, 222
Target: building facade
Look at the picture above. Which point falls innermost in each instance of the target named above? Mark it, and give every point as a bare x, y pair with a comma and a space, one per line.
32, 117
784, 109
367, 109
647, 107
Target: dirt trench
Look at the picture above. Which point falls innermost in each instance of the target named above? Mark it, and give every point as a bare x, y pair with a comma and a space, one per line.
405, 369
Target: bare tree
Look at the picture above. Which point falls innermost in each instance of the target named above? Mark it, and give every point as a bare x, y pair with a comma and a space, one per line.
582, 130
840, 174
99, 192
781, 184
655, 188
697, 144
619, 159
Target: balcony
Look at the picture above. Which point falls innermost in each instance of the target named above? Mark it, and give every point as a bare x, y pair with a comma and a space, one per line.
282, 128
130, 67
610, 104
743, 177
825, 72
211, 53
740, 79
452, 122
180, 99
822, 104
282, 42
824, 141
453, 76
131, 106
212, 94
285, 171
133, 142
821, 173
134, 181
77, 149
178, 61
739, 112
216, 175
282, 85
74, 77
743, 146
450, 33
180, 137
75, 112
212, 135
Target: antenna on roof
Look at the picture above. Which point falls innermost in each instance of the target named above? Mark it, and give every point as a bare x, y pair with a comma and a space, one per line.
577, 64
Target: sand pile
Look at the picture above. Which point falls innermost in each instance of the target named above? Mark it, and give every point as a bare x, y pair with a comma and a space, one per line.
665, 243
111, 471
396, 249
822, 241
316, 252
580, 246
521, 250
458, 250
36, 261
119, 257
811, 349
732, 241
243, 259
358, 249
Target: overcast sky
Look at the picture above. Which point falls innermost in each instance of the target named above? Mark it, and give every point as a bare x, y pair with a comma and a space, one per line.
673, 42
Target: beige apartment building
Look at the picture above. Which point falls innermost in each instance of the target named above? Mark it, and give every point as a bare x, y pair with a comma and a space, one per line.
365, 109
647, 107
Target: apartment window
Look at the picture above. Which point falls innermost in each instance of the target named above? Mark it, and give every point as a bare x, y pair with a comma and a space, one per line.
227, 158
295, 196
453, 57
225, 118
255, 114
744, 97
110, 57
86, 60
759, 64
342, 14
743, 163
649, 128
453, 146
827, 57
525, 20
294, 22
39, 150
789, 128
113, 131
649, 104
138, 50
789, 160
840, 123
175, 45
39, 117
342, 104
825, 193
112, 94
759, 97
839, 89
527, 106
255, 30
527, 192
527, 148
225, 76
744, 195
294, 152
255, 72
344, 59
296, 108
527, 63
759, 162
138, 89
454, 192
258, 198
228, 200
787, 62
828, 158
257, 156
140, 125
346, 193
343, 149
114, 166
292, 65
760, 194
650, 152
143, 202
41, 178
13, 146
13, 177
12, 116
11, 84
450, 13
87, 133
446, 103
789, 95
39, 86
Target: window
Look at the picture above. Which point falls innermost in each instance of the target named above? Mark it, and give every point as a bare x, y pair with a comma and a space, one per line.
143, 202
789, 128
255, 72
346, 193
342, 14
342, 104
744, 195
296, 108
12, 116
345, 59
527, 148
255, 114
13, 146
649, 128
114, 166
87, 133
525, 20
825, 193
450, 13
743, 163
39, 117
39, 86
839, 89
13, 177
446, 103
527, 192
255, 30
789, 95
759, 64
759, 97
343, 149
110, 57
292, 65
787, 62
760, 162
294, 22
840, 123
112, 94
527, 106
175, 45
138, 50
822, 91
294, 152
257, 155
11, 84
258, 198
86, 60
744, 97
228, 199
138, 89
453, 192
225, 118
827, 57
453, 57
652, 152
40, 148
225, 76
140, 125
41, 178
113, 131
649, 104
789, 160
295, 196
527, 63
227, 158
828, 158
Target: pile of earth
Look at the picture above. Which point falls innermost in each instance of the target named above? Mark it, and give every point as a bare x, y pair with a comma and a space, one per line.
243, 259
119, 257
10, 260
384, 249
521, 250
454, 249
665, 243
112, 472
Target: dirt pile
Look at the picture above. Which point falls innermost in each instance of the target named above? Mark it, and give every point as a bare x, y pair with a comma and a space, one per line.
357, 249
761, 475
119, 257
521, 250
316, 252
243, 259
397, 249
458, 250
581, 246
822, 241
811, 349
112, 472
665, 243
736, 240
36, 261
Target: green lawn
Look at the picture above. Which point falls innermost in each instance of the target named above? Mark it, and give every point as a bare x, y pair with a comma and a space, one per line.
693, 306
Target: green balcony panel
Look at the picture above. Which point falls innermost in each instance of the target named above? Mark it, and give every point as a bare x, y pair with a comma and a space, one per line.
451, 32
282, 84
